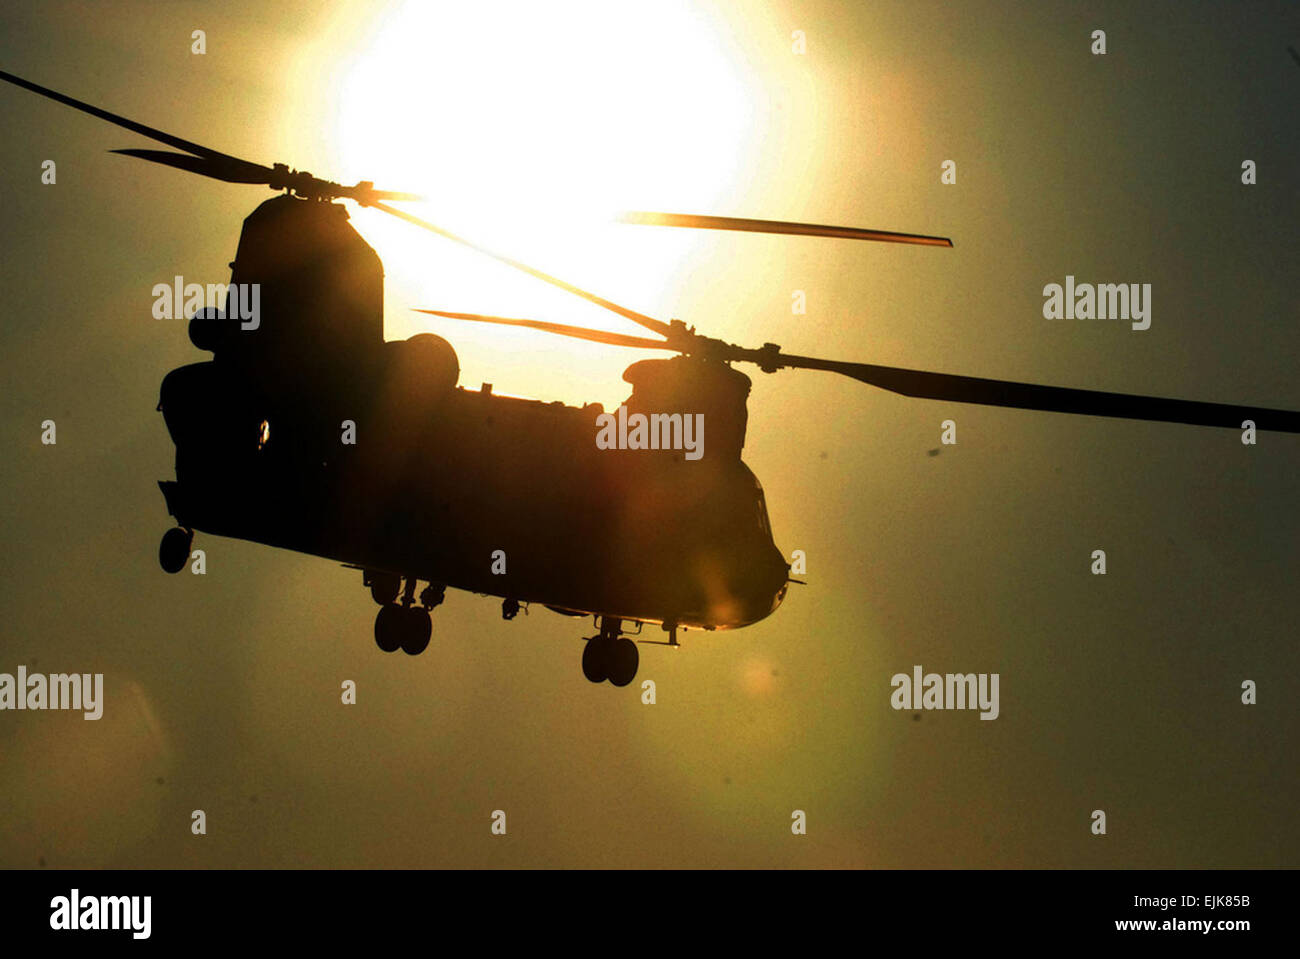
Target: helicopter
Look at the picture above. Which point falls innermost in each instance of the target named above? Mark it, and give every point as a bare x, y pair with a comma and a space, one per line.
486, 493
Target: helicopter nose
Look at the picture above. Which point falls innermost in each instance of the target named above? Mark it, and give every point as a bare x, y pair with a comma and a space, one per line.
765, 595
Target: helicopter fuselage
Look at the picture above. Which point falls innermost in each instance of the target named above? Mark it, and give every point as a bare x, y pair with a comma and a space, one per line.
490, 494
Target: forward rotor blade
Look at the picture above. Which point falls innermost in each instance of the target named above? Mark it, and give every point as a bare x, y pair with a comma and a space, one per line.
120, 121
649, 322
579, 332
691, 221
214, 163
219, 168
1057, 399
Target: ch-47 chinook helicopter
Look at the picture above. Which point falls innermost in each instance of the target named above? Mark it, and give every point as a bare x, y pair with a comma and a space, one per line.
493, 494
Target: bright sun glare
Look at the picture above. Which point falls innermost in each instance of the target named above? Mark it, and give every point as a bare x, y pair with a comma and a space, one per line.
574, 113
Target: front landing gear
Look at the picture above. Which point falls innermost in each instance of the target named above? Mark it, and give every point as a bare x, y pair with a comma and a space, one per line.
610, 655
174, 550
403, 626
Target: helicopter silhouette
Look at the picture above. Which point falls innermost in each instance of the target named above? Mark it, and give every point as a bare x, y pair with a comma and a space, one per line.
492, 494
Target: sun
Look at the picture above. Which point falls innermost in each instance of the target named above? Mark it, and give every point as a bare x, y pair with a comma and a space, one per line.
528, 127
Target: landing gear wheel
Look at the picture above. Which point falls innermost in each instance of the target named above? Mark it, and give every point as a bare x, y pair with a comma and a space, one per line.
595, 658
389, 627
416, 630
174, 550
621, 661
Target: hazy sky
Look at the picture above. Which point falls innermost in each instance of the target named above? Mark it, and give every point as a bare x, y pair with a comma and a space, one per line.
526, 125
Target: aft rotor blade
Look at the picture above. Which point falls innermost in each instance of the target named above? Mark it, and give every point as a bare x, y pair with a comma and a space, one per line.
371, 195
1057, 399
582, 333
153, 134
694, 222
228, 169
649, 322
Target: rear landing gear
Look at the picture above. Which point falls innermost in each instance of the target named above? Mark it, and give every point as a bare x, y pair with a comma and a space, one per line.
403, 625
407, 628
174, 550
610, 655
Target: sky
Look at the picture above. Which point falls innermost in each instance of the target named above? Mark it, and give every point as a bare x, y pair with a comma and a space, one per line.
527, 127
